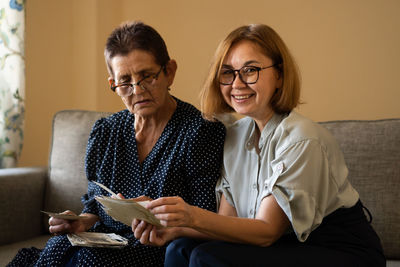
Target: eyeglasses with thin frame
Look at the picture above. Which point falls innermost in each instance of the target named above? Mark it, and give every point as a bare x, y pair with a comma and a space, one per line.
126, 89
247, 74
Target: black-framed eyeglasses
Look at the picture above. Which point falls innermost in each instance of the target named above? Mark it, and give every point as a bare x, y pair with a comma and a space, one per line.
126, 89
247, 74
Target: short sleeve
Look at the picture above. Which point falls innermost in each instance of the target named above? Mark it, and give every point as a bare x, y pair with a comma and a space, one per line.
301, 185
94, 151
203, 163
223, 187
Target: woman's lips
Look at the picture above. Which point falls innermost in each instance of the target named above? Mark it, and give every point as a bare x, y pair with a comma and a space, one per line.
141, 102
241, 98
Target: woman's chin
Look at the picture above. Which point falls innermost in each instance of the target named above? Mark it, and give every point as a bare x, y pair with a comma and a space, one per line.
242, 111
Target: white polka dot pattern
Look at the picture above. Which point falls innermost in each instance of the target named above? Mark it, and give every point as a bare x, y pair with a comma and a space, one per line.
185, 161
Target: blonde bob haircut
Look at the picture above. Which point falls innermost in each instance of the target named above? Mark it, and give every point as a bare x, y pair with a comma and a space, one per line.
285, 98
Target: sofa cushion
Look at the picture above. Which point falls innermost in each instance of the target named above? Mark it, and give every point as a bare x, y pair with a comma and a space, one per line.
21, 199
372, 153
67, 179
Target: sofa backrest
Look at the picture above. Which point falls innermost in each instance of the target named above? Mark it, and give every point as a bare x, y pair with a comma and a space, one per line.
372, 153
67, 179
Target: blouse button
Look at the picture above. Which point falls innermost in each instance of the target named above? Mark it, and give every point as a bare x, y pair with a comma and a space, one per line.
254, 186
280, 167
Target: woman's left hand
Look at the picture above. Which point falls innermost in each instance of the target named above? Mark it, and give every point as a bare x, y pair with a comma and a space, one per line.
137, 199
172, 211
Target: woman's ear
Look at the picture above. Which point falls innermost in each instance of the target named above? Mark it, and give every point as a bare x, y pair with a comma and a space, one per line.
170, 71
111, 81
279, 78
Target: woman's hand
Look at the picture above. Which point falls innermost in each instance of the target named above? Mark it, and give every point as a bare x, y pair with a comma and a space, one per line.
138, 199
142, 198
61, 226
173, 211
150, 235
118, 196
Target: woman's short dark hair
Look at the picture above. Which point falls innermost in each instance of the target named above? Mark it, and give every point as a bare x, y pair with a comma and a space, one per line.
285, 98
135, 35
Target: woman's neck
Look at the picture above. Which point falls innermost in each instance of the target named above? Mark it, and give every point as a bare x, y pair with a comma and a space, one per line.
148, 129
157, 120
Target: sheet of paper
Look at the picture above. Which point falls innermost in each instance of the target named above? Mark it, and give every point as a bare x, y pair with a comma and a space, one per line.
107, 189
63, 216
125, 210
90, 239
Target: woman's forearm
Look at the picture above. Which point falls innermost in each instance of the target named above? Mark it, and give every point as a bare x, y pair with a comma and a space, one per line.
270, 222
232, 229
189, 232
209, 225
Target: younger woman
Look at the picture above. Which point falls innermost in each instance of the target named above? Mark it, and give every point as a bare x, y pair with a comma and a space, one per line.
285, 199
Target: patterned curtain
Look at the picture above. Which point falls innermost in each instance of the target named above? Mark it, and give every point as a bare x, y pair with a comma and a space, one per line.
12, 80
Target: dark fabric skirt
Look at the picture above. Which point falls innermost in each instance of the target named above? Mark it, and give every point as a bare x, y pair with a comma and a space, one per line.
345, 238
60, 252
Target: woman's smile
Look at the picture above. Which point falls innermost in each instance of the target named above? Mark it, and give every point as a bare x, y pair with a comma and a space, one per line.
242, 98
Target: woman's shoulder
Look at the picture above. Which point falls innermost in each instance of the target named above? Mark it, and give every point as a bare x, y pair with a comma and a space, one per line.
297, 124
189, 117
113, 119
296, 128
104, 126
184, 109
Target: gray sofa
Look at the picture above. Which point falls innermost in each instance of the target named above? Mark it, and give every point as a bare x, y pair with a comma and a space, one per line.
371, 149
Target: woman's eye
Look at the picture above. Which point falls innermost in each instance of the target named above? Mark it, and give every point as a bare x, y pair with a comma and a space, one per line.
226, 72
125, 81
249, 70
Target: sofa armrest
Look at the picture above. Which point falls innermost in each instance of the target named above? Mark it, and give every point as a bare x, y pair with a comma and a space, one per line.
21, 199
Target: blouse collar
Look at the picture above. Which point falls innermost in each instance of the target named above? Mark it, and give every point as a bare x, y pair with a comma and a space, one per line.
268, 129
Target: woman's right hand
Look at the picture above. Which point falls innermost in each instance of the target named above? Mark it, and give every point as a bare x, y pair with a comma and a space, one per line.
151, 235
173, 211
62, 226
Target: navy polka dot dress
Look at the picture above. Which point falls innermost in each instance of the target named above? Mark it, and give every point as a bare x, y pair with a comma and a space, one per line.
185, 161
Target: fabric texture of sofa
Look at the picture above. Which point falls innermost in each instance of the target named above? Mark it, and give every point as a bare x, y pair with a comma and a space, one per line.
371, 149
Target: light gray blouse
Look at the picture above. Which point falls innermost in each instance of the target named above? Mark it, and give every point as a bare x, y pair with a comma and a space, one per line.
300, 164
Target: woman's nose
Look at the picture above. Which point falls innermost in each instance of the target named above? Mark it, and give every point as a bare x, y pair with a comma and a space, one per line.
237, 82
138, 89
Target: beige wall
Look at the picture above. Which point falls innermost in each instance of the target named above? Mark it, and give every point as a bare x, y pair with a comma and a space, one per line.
347, 50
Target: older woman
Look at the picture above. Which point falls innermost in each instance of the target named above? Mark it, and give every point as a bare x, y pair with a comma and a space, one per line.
285, 196
158, 146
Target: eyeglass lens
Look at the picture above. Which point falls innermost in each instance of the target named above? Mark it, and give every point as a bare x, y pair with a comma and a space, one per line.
145, 83
126, 90
247, 74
